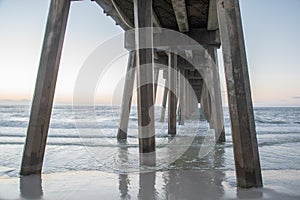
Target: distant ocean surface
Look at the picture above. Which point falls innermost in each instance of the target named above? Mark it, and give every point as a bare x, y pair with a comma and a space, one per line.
91, 143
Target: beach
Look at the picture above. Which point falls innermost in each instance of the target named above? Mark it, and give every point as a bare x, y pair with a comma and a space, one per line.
173, 184
83, 159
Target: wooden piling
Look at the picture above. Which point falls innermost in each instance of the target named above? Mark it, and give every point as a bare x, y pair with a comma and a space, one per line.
164, 102
127, 96
187, 97
205, 102
245, 146
156, 74
37, 131
143, 18
217, 118
181, 97
172, 103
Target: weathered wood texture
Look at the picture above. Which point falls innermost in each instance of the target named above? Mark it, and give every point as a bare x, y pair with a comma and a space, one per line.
37, 131
127, 96
161, 40
164, 102
172, 103
156, 74
179, 8
216, 98
205, 102
212, 21
239, 95
181, 87
145, 77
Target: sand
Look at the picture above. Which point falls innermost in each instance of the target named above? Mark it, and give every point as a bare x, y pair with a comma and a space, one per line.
172, 184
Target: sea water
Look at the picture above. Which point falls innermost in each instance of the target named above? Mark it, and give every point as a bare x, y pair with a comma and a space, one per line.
83, 138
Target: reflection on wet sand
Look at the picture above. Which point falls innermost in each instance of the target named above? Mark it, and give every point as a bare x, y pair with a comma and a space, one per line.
147, 190
192, 183
185, 180
124, 181
31, 187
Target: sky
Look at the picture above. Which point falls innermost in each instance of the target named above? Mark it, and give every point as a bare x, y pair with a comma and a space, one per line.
271, 31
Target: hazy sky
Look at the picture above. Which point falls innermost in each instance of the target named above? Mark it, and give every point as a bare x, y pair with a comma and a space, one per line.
271, 29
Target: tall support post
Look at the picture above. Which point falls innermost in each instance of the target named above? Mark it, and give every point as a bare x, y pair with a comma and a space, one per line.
156, 74
187, 97
245, 146
37, 131
181, 97
172, 103
127, 96
216, 103
205, 102
143, 18
164, 102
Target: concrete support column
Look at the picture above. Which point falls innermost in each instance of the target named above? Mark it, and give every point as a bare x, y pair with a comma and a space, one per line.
172, 103
245, 146
127, 96
41, 109
143, 18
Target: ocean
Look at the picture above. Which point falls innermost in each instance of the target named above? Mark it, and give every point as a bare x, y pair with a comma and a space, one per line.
84, 139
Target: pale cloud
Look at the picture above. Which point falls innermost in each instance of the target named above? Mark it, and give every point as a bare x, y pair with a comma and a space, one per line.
296, 97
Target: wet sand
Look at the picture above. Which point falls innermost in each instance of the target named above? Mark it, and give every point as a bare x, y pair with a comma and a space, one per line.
172, 184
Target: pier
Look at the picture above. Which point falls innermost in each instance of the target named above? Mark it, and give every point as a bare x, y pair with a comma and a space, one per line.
189, 71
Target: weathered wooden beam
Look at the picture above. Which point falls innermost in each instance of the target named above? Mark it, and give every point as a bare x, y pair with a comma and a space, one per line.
164, 102
245, 146
143, 18
187, 98
112, 8
156, 74
156, 22
127, 96
37, 131
198, 59
179, 8
216, 101
116, 13
163, 40
205, 102
172, 103
182, 105
212, 22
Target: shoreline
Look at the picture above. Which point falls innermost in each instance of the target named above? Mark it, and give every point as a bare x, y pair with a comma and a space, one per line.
171, 184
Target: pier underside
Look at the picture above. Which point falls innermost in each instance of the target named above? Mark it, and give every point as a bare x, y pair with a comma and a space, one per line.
189, 67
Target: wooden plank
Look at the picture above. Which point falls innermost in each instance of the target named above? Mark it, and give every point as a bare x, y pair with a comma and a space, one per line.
127, 96
37, 131
239, 95
143, 18
179, 8
172, 103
